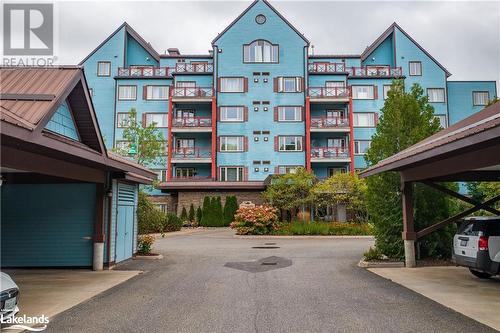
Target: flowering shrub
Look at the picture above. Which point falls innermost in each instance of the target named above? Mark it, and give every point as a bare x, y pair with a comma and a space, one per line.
145, 243
258, 220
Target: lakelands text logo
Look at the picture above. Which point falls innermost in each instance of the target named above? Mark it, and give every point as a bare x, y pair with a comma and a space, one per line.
28, 29
24, 322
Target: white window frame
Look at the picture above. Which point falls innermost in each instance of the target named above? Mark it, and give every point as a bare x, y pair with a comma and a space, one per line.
150, 93
370, 92
240, 110
240, 173
149, 115
479, 101
224, 141
188, 171
161, 174
357, 146
429, 95
298, 143
297, 84
443, 120
123, 119
356, 118
339, 170
286, 169
261, 51
133, 93
415, 71
385, 90
107, 68
282, 113
239, 87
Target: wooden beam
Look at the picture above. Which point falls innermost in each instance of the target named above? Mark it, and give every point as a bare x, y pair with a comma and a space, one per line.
461, 197
449, 220
408, 223
32, 162
99, 234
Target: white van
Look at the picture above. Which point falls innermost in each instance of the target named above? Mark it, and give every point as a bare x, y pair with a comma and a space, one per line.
477, 246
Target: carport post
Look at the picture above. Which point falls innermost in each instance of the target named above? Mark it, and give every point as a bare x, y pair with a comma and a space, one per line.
409, 234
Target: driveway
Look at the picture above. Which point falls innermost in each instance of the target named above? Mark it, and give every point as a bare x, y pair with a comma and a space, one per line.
211, 281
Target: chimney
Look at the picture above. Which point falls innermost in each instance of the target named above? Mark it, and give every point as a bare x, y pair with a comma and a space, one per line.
173, 51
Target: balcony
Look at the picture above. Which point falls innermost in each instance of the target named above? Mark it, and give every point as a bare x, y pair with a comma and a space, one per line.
330, 154
191, 179
192, 155
329, 124
147, 72
192, 94
375, 71
192, 124
196, 68
327, 67
329, 94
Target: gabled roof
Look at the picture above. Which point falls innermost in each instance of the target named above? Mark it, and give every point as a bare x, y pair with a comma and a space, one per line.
390, 31
147, 46
465, 133
250, 7
29, 97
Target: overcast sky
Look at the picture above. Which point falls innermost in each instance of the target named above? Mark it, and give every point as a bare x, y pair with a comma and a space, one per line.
463, 36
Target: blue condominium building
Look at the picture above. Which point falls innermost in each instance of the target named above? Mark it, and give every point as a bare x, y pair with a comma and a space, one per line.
258, 103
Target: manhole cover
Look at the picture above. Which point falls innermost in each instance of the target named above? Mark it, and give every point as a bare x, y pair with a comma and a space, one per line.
265, 247
261, 265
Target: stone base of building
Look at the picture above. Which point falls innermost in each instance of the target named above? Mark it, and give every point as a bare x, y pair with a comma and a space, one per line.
186, 198
166, 203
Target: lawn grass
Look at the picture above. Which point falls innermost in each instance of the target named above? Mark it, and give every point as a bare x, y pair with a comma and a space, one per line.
325, 229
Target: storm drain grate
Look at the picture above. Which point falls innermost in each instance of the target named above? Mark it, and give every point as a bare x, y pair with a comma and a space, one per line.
261, 265
269, 243
269, 263
265, 247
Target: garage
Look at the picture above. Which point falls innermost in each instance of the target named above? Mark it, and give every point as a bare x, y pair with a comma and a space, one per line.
66, 201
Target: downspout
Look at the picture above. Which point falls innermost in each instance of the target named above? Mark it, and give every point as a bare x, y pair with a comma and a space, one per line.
169, 140
214, 136
305, 60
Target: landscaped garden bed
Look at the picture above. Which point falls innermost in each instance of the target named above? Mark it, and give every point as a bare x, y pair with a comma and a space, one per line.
324, 229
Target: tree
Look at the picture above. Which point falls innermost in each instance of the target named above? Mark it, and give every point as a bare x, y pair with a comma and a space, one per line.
184, 215
191, 215
199, 215
290, 191
482, 191
146, 142
342, 188
230, 208
406, 119
218, 219
207, 212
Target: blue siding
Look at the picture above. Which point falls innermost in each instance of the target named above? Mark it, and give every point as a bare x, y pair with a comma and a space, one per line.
137, 55
62, 122
382, 55
460, 101
47, 224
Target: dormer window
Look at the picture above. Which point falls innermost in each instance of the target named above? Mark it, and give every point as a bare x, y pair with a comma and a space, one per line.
260, 51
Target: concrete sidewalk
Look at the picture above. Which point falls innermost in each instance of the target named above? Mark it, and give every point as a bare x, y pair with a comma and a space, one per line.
52, 291
453, 287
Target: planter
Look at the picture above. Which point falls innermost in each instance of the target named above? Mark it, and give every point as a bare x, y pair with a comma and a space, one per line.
380, 264
150, 256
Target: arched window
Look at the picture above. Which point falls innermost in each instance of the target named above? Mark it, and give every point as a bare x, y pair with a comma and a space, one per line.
260, 51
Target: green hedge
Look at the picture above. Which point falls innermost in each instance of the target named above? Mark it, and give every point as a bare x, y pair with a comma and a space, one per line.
152, 220
325, 229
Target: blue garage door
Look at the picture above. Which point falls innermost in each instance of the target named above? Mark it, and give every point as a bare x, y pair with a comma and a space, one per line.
125, 222
47, 224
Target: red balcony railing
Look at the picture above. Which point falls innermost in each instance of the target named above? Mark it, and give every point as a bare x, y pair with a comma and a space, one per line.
324, 67
383, 71
329, 92
145, 71
329, 152
329, 122
191, 179
192, 153
194, 68
192, 92
192, 122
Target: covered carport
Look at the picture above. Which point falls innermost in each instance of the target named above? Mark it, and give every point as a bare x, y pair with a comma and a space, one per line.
66, 201
467, 151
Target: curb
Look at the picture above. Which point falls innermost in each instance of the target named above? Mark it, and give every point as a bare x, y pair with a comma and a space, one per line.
380, 264
158, 257
301, 237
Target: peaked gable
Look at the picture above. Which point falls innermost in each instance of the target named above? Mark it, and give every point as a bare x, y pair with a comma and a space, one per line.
62, 122
248, 9
138, 38
390, 32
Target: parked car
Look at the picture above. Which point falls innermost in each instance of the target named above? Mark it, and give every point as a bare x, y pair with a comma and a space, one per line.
477, 246
9, 296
